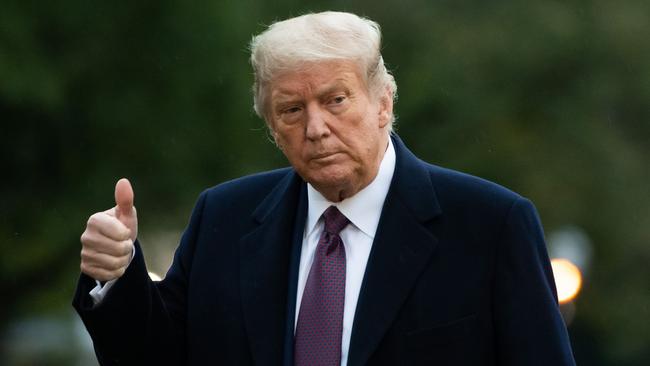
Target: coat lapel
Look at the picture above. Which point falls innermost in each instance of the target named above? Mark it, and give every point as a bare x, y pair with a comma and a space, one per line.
403, 246
264, 265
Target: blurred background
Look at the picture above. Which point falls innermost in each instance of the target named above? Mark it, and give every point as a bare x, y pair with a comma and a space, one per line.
550, 98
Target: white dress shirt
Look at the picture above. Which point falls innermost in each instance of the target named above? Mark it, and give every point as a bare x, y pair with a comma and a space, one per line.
363, 210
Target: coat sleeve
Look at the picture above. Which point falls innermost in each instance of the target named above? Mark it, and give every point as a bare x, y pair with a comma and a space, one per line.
530, 329
142, 322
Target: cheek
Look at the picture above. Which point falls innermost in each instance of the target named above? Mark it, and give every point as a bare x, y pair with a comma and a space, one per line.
291, 147
284, 137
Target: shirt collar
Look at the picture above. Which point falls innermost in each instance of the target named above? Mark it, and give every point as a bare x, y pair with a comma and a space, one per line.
364, 208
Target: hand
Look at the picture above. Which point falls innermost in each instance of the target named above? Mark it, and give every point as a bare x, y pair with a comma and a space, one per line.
107, 242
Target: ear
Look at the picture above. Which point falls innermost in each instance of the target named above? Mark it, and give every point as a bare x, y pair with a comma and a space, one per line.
385, 108
273, 136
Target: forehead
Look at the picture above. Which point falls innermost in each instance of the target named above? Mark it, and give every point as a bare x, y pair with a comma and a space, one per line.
317, 77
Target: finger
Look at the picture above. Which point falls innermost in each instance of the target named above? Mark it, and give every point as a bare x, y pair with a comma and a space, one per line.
102, 244
108, 226
101, 274
96, 259
111, 211
124, 198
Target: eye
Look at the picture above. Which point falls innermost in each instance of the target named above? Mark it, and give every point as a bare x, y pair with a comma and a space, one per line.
338, 99
291, 110
290, 114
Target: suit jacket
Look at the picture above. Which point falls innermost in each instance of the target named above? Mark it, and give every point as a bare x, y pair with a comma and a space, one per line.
458, 275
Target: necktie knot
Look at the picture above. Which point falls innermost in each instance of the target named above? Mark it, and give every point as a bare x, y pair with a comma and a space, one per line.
335, 221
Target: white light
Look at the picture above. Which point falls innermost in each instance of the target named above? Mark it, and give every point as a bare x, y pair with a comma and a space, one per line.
568, 279
154, 277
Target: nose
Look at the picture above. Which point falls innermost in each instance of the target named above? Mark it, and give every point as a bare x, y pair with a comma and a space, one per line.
317, 123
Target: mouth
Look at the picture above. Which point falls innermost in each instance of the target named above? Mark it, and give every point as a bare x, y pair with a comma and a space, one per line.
324, 158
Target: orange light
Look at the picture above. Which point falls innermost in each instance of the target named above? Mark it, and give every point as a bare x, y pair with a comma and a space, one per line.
568, 279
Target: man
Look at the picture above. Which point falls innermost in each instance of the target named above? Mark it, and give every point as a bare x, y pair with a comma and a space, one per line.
359, 254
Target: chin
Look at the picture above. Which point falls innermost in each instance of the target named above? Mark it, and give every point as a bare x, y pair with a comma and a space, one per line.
330, 180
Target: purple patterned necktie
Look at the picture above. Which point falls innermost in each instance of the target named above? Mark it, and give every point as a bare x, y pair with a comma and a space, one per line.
320, 321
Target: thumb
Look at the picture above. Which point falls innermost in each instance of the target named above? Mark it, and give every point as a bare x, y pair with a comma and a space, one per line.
124, 199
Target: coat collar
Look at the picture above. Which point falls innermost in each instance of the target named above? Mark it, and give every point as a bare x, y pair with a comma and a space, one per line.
403, 246
412, 183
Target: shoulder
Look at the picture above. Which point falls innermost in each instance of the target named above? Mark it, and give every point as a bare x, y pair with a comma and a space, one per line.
454, 183
242, 194
254, 186
454, 191
250, 183
471, 195
479, 208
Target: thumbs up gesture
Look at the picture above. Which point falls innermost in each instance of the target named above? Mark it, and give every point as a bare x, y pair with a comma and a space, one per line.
107, 242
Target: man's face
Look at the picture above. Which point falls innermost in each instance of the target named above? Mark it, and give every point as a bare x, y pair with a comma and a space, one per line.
329, 127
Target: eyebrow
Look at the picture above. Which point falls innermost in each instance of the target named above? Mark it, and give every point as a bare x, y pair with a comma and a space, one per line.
337, 84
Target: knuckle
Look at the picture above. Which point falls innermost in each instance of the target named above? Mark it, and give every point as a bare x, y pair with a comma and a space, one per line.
89, 241
124, 248
92, 220
85, 238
